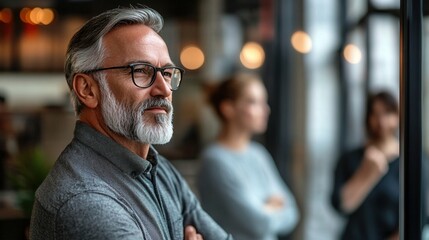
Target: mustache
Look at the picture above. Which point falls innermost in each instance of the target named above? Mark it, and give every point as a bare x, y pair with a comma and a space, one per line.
157, 102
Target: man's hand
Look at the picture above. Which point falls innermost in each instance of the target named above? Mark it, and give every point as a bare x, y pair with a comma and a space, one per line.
191, 233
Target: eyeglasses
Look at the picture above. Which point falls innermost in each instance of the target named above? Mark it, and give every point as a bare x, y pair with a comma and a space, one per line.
144, 74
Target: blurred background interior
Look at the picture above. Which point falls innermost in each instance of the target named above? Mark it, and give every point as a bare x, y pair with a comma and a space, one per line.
318, 58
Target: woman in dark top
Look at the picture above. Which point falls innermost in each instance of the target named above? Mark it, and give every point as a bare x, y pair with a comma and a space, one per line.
366, 180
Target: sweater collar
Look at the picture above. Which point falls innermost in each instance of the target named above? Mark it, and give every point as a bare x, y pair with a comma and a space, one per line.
127, 161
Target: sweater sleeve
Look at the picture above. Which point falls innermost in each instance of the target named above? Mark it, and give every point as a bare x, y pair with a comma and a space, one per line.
345, 167
95, 216
192, 212
224, 198
285, 220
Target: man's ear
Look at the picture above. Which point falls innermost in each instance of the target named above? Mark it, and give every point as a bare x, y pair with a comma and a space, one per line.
86, 89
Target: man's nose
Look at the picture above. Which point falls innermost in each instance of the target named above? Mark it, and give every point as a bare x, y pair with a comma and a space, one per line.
160, 87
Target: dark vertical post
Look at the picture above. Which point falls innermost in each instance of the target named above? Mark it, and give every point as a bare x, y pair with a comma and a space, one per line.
411, 123
17, 33
277, 76
368, 53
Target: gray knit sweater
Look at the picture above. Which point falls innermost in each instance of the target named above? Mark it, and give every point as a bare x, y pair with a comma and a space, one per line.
98, 189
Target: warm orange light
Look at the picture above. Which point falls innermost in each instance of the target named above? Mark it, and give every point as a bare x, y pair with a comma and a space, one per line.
6, 15
352, 54
252, 55
24, 15
48, 16
301, 42
27, 17
37, 15
192, 57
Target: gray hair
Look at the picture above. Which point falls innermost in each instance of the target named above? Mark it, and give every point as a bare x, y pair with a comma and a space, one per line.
85, 50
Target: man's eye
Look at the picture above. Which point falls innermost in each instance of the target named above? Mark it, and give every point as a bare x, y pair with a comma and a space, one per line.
167, 74
141, 70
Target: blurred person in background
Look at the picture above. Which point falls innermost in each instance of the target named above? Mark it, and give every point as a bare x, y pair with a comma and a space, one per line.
109, 182
238, 182
366, 180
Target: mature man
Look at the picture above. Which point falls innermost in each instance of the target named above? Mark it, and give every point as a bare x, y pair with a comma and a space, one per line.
109, 182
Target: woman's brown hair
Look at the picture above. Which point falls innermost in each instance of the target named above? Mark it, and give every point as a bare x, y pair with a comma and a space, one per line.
230, 89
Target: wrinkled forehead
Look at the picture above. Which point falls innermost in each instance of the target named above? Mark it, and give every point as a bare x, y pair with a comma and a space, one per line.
135, 43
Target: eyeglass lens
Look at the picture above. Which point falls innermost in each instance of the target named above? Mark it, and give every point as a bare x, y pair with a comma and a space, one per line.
144, 75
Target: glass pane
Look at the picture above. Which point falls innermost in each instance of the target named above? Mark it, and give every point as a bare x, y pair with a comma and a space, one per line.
384, 42
355, 72
355, 10
386, 3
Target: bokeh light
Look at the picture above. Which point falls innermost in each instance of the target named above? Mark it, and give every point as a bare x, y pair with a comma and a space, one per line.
192, 57
352, 54
301, 42
6, 15
48, 16
24, 15
252, 55
37, 15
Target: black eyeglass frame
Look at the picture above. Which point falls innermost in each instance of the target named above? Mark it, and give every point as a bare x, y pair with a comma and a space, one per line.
156, 70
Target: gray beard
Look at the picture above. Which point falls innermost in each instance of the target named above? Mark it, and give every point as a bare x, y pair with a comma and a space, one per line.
132, 122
